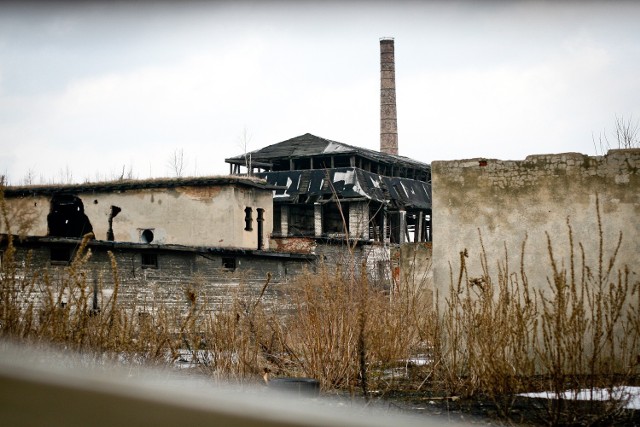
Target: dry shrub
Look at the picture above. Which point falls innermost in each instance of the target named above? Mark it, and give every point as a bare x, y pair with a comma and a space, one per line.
499, 337
323, 332
493, 337
349, 334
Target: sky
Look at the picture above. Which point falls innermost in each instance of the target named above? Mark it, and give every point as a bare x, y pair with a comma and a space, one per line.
93, 91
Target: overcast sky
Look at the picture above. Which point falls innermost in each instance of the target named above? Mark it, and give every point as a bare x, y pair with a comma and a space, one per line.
87, 89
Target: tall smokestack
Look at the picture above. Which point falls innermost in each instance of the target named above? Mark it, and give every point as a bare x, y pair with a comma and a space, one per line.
388, 112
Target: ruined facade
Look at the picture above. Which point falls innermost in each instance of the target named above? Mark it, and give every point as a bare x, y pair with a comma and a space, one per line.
495, 206
160, 231
330, 190
221, 211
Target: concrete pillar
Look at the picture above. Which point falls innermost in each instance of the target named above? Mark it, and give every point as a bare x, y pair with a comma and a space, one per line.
317, 219
284, 220
419, 227
402, 226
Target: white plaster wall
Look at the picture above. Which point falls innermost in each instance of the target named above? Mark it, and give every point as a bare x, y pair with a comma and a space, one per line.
507, 202
198, 216
28, 211
205, 216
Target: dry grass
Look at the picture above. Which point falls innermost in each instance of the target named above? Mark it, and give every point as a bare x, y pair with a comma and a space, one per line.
498, 337
493, 337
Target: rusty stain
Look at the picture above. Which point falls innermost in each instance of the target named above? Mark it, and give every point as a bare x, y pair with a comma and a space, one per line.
201, 193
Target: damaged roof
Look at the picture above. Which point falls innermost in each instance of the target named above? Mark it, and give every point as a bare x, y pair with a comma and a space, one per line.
300, 186
309, 145
123, 185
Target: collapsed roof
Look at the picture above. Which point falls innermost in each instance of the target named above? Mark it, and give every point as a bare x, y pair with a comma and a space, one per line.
303, 186
308, 145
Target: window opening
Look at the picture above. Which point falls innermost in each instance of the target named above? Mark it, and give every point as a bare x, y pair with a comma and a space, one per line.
229, 263
248, 219
332, 221
147, 235
60, 255
301, 220
149, 261
277, 219
260, 221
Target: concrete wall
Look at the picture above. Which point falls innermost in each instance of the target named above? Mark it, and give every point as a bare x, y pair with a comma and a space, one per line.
507, 202
196, 216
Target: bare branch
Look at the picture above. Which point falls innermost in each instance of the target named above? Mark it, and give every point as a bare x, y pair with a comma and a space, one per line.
177, 163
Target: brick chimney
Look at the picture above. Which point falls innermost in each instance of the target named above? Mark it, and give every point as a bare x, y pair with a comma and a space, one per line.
388, 112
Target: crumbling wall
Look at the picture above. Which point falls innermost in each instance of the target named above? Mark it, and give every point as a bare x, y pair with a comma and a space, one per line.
507, 202
176, 273
213, 216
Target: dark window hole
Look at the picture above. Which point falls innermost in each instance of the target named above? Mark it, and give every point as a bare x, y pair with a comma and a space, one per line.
147, 236
229, 263
149, 261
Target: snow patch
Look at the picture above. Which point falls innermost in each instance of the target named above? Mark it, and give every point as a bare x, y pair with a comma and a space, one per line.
625, 393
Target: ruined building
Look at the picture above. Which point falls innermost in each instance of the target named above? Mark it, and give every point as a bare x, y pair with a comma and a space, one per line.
161, 232
283, 207
328, 193
329, 190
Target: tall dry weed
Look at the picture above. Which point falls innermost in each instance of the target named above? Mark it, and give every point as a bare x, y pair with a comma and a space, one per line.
499, 337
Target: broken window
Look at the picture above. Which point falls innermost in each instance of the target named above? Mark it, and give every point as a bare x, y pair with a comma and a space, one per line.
341, 161
248, 219
149, 261
301, 220
280, 165
229, 263
323, 162
302, 164
60, 255
332, 220
66, 217
376, 220
394, 227
277, 219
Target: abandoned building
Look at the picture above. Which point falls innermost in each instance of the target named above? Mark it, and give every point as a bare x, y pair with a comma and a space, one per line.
163, 231
330, 190
296, 201
328, 193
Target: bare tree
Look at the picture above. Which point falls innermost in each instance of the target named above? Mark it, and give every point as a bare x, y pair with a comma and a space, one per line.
126, 174
627, 132
66, 175
626, 136
177, 163
29, 177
